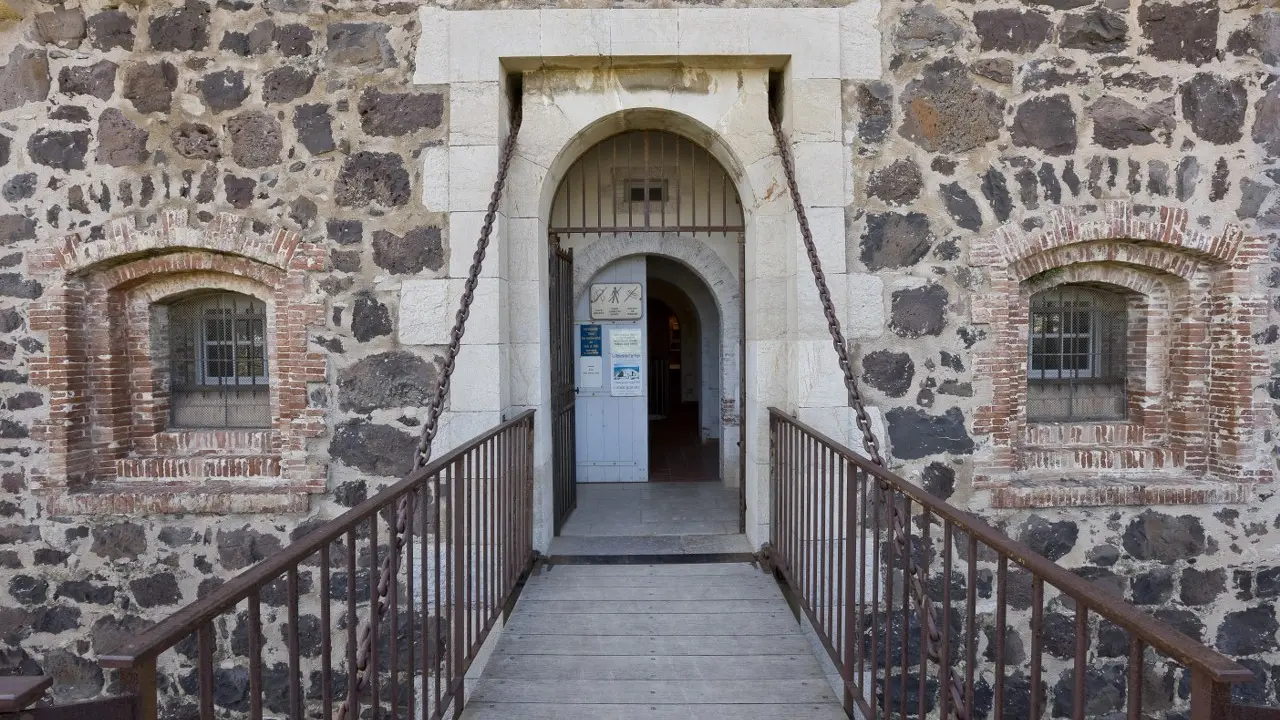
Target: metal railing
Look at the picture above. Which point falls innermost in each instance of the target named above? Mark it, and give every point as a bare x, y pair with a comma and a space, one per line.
900, 586
469, 547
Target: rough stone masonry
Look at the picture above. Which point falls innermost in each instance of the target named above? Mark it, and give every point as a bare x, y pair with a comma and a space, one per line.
289, 131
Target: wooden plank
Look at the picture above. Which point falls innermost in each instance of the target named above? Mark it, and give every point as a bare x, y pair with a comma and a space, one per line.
514, 643
667, 667
667, 570
772, 623
571, 711
653, 607
642, 581
678, 591
663, 692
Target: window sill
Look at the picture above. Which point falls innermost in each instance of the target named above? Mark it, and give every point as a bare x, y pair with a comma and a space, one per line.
1045, 490
165, 497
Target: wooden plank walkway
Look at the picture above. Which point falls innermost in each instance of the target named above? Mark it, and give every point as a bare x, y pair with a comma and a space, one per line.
661, 642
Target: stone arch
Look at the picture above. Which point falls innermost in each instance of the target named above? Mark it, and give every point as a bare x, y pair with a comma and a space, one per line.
694, 255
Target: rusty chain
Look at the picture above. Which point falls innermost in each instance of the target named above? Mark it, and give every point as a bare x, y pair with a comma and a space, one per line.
897, 517
422, 454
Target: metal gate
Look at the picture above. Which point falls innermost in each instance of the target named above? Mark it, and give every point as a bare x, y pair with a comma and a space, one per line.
563, 391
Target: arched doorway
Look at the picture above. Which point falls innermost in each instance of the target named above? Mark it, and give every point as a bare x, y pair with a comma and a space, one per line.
655, 227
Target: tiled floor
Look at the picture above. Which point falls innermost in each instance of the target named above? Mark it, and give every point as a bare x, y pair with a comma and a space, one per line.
652, 518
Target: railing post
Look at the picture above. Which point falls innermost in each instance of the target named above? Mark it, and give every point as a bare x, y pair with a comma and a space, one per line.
140, 681
1210, 700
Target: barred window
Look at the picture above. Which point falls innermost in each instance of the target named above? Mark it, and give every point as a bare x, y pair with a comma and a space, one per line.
1076, 366
218, 362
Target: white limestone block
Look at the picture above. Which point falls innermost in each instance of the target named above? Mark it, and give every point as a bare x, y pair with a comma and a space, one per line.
472, 171
526, 374
526, 306
811, 36
523, 192
431, 61
770, 243
555, 130
820, 173
478, 38
464, 231
435, 178
526, 249
457, 428
428, 307
860, 52
475, 113
767, 308
712, 31
575, 33
768, 364
643, 33
816, 114
769, 185
820, 383
827, 226
477, 379
866, 318
811, 321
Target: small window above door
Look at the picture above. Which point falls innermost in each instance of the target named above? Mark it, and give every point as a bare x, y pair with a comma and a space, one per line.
653, 190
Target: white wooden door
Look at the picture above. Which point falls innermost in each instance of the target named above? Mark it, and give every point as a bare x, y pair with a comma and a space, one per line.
613, 429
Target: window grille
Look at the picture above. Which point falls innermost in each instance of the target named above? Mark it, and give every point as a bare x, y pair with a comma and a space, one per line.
218, 375
1077, 367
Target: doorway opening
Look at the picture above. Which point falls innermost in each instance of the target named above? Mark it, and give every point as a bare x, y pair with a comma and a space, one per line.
682, 447
655, 228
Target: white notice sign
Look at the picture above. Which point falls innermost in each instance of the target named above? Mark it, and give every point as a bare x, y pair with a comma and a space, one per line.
617, 301
626, 378
591, 372
625, 342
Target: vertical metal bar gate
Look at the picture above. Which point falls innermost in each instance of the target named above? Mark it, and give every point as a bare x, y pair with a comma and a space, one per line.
563, 390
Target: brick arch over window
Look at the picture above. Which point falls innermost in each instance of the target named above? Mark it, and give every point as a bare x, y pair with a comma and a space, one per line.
110, 448
1196, 433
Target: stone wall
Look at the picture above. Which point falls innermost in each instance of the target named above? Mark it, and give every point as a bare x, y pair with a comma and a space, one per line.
994, 120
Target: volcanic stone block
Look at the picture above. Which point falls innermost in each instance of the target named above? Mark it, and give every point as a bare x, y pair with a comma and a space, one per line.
369, 318
895, 240
915, 312
120, 141
1011, 30
98, 80
362, 45
387, 380
367, 177
1047, 123
394, 114
1165, 538
417, 250
314, 128
223, 90
1183, 32
1215, 107
63, 27
185, 28
111, 29
24, 79
196, 141
897, 183
286, 83
915, 434
1119, 124
945, 112
150, 86
1098, 30
256, 139
379, 450
61, 149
